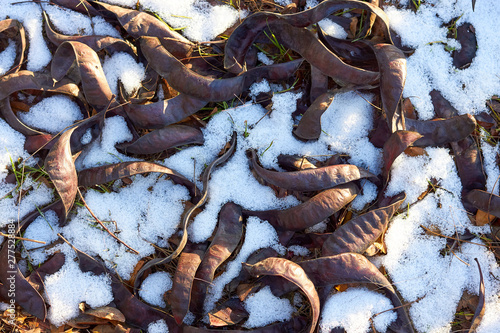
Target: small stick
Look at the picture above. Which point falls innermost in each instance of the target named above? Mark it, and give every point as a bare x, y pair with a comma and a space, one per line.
456, 239
24, 239
102, 224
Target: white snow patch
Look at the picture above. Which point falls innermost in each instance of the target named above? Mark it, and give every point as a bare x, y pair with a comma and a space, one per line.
52, 114
259, 87
199, 20
154, 287
152, 219
265, 308
102, 150
44, 228
369, 194
430, 67
159, 326
352, 310
263, 58
7, 57
122, 66
299, 250
333, 29
69, 286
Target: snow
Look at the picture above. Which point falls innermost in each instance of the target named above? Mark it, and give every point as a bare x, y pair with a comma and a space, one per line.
44, 228
152, 219
159, 326
333, 29
299, 250
69, 286
369, 194
68, 22
196, 19
274, 309
430, 67
122, 66
352, 310
52, 114
154, 287
263, 58
7, 57
102, 150
419, 263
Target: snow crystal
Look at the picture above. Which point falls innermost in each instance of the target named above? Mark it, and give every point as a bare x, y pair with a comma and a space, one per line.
86, 137
52, 114
189, 318
7, 57
154, 287
283, 2
196, 19
333, 29
259, 87
159, 326
258, 235
265, 308
299, 250
263, 58
352, 310
69, 286
122, 66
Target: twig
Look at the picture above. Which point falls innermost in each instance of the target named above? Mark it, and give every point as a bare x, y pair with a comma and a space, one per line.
456, 239
102, 224
24, 239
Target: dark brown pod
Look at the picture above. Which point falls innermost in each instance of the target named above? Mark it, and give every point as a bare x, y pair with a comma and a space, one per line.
164, 138
107, 173
96, 43
359, 233
485, 201
309, 127
225, 241
24, 80
164, 112
88, 70
293, 273
204, 88
180, 295
397, 143
310, 212
61, 169
138, 24
438, 132
312, 179
245, 34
